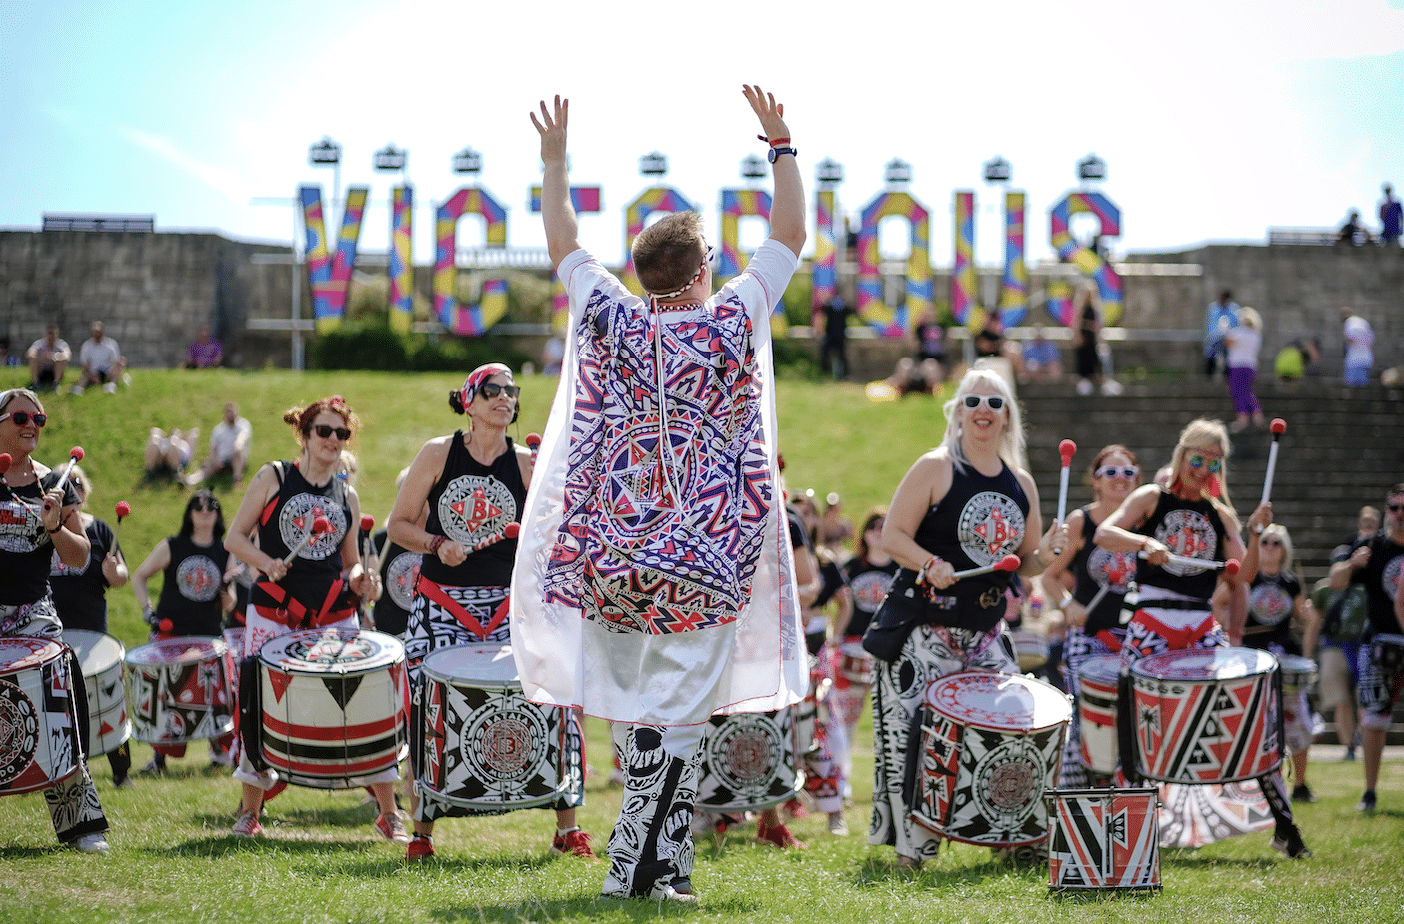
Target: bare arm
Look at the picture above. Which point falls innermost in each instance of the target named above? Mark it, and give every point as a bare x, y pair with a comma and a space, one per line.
557, 212
239, 539
1055, 576
407, 521
787, 222
925, 483
155, 563
356, 577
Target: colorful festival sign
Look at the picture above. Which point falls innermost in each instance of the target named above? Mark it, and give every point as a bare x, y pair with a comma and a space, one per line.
329, 274
1109, 287
401, 259
467, 320
656, 199
872, 307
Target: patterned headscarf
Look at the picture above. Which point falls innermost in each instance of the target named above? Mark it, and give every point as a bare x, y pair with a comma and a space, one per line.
475, 380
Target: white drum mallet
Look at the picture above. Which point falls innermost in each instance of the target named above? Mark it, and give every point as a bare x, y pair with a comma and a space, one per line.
75, 455
1229, 567
1066, 449
1279, 427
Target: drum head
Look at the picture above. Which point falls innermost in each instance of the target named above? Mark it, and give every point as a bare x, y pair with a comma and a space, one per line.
1296, 664
97, 651
1103, 669
1205, 664
481, 666
1002, 702
177, 650
23, 652
335, 651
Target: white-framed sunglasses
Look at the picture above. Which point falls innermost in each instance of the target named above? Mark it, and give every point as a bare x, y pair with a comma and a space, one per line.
1129, 472
993, 402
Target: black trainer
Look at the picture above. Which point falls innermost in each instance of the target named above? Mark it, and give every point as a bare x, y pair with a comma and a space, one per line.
1289, 841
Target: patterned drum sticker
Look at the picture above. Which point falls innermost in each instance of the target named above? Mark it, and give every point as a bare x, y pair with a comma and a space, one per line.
1103, 839
199, 578
178, 690
475, 507
748, 762
295, 521
19, 732
991, 526
402, 574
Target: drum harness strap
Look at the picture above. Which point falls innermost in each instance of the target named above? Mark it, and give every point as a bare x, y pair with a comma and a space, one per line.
954, 645
437, 594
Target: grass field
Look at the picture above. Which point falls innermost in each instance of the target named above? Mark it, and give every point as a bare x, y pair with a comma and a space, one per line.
173, 859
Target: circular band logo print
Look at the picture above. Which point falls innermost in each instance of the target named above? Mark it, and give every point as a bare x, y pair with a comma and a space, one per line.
475, 507
295, 521
1007, 776
991, 526
503, 743
333, 649
1269, 604
1112, 569
1188, 533
868, 590
401, 576
746, 751
19, 731
1390, 579
198, 578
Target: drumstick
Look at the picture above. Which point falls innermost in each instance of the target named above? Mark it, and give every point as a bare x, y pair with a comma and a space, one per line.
1279, 427
75, 455
533, 441
367, 524
1229, 567
1007, 563
320, 525
510, 531
123, 509
1066, 449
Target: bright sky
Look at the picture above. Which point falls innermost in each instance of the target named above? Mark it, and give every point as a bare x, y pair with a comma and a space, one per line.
1217, 118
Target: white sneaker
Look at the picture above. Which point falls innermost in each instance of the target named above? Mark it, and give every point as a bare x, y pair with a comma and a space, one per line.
1084, 387
77, 389
110, 388
91, 843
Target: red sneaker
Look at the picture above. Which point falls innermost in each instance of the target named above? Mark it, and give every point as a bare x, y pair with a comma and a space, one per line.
573, 843
795, 808
247, 826
420, 848
778, 836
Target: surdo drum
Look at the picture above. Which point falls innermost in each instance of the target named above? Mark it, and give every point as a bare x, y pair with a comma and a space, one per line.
1298, 673
38, 739
100, 656
177, 690
1207, 715
990, 745
1103, 839
485, 746
855, 665
749, 762
332, 702
1097, 679
1031, 649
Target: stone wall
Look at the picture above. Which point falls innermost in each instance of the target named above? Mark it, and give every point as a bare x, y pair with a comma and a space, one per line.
153, 290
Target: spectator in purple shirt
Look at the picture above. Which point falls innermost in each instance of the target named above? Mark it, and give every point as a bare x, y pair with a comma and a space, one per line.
206, 352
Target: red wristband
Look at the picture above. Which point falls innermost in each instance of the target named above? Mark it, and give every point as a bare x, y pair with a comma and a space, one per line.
435, 543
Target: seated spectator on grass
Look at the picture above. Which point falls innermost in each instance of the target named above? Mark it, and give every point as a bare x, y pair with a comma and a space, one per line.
169, 455
102, 362
6, 357
205, 352
48, 359
229, 448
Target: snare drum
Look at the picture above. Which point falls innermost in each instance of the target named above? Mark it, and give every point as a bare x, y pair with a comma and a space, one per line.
177, 690
1388, 652
1298, 674
485, 746
990, 745
749, 762
38, 738
1207, 715
1103, 839
1097, 679
1031, 650
100, 656
332, 703
855, 665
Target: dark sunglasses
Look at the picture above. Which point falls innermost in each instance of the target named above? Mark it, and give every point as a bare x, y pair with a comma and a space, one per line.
324, 431
1392, 508
1117, 471
493, 389
202, 506
22, 418
1198, 461
1270, 542
993, 402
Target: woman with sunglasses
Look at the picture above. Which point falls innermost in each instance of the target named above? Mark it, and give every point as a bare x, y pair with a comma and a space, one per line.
319, 587
1099, 580
460, 495
194, 596
80, 594
966, 504
1276, 602
1193, 518
37, 521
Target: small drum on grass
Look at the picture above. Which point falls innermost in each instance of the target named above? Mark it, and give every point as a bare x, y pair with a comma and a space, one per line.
1388, 652
749, 762
177, 691
333, 705
1103, 839
1097, 679
1207, 715
990, 745
856, 665
1031, 649
485, 746
101, 656
38, 738
1298, 674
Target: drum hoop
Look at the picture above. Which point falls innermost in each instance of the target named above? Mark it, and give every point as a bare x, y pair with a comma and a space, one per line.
387, 657
188, 657
1141, 669
995, 728
428, 671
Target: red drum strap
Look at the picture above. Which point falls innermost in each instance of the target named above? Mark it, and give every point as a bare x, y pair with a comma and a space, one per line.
296, 616
437, 594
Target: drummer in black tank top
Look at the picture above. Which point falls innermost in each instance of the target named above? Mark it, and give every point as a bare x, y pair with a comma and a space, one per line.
461, 494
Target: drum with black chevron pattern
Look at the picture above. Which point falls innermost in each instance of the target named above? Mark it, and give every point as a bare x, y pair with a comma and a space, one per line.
1103, 839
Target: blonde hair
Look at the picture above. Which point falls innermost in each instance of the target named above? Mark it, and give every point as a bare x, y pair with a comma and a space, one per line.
1250, 318
1279, 532
1201, 434
1012, 447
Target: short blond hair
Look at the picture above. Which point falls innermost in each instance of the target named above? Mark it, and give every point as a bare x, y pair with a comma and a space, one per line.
668, 252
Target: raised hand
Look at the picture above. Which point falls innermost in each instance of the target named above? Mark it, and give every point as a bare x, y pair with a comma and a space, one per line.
552, 128
770, 113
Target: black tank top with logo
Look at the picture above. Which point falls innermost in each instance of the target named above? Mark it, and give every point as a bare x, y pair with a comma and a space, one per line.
399, 572
286, 519
979, 521
472, 502
190, 596
1192, 529
1271, 599
867, 586
1095, 568
25, 545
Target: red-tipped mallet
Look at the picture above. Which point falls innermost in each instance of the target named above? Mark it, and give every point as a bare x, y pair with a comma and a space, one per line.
1007, 563
123, 510
533, 441
508, 532
6, 460
75, 455
1229, 567
1278, 427
367, 525
320, 526
1066, 449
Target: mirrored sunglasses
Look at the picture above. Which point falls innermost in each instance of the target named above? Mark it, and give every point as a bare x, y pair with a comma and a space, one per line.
1198, 461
